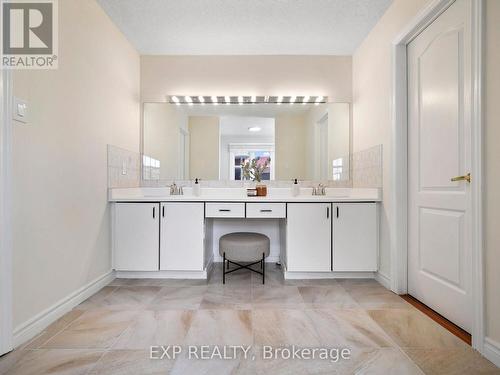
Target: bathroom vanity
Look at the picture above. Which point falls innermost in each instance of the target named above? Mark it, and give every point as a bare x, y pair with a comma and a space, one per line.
176, 236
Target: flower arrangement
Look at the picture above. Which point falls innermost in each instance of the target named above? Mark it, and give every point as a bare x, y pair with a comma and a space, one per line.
254, 168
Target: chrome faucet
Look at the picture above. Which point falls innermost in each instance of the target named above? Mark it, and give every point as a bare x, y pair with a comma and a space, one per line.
319, 190
176, 190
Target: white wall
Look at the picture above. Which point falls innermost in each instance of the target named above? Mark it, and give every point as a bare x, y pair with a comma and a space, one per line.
246, 75
372, 125
372, 81
61, 216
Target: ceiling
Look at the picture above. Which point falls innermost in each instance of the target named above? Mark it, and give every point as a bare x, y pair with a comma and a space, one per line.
245, 27
238, 126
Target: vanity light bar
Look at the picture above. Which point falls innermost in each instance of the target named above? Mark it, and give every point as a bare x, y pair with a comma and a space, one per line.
246, 99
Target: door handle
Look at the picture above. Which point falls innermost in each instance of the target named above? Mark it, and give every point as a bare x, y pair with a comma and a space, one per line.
154, 210
224, 210
266, 210
337, 212
462, 178
328, 212
163, 211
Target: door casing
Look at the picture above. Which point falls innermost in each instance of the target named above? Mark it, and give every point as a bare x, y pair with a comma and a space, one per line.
6, 96
399, 167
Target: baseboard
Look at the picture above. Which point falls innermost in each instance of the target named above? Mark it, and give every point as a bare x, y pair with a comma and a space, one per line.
383, 279
162, 274
32, 327
491, 350
289, 275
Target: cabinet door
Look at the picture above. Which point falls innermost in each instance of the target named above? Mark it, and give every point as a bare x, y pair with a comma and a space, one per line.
309, 237
136, 236
181, 236
355, 237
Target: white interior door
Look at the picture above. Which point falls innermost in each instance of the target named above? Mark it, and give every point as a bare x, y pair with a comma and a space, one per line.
439, 144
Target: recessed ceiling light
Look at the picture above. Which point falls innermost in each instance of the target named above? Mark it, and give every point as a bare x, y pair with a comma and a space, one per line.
201, 99
175, 99
254, 129
214, 100
188, 100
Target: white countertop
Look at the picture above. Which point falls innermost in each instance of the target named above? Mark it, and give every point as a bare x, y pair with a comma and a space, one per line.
239, 195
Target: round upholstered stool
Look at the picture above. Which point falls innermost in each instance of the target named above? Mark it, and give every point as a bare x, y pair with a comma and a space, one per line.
243, 247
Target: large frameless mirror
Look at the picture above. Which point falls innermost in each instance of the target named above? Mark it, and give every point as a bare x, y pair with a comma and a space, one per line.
307, 141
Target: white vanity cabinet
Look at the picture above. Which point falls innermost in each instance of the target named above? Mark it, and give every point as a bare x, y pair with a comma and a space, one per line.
308, 237
355, 237
136, 236
182, 236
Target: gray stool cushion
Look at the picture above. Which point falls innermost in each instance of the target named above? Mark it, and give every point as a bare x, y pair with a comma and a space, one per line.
244, 246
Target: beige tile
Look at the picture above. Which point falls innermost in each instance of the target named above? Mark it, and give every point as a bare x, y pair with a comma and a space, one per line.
287, 297
184, 366
7, 361
376, 297
131, 362
182, 297
279, 364
223, 297
359, 284
54, 328
283, 327
97, 299
348, 328
156, 328
121, 282
56, 362
129, 298
385, 361
238, 278
221, 327
274, 276
94, 329
451, 361
411, 328
327, 297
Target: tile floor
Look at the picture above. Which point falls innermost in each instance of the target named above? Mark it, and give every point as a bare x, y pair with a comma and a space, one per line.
111, 332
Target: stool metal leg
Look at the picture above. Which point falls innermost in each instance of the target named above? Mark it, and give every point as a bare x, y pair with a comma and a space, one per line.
224, 269
263, 268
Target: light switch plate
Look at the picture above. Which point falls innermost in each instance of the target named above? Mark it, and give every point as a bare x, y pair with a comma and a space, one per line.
20, 111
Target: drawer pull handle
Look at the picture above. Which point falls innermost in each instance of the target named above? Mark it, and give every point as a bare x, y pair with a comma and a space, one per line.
224, 210
266, 210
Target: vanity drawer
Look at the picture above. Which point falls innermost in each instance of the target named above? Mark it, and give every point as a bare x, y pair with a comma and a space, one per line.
215, 209
269, 210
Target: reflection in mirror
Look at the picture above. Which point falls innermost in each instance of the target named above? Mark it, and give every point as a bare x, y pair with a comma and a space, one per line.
220, 142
